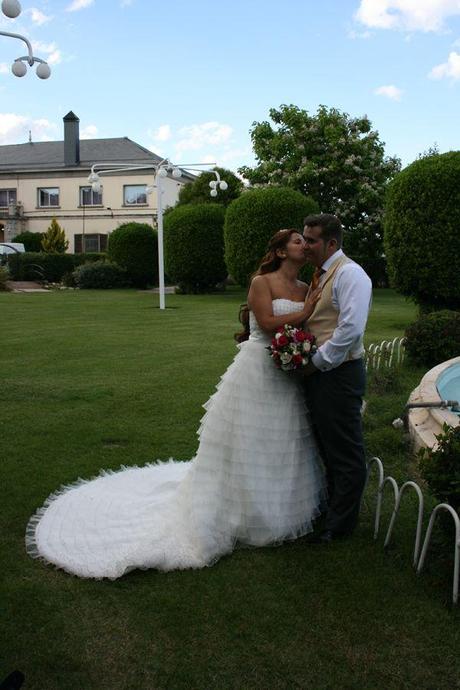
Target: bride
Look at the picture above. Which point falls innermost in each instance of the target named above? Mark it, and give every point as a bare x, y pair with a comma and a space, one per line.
256, 479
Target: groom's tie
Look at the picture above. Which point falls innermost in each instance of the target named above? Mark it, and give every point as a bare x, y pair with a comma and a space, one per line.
316, 276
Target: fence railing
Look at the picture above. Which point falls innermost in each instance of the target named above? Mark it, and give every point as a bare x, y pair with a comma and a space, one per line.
420, 551
385, 354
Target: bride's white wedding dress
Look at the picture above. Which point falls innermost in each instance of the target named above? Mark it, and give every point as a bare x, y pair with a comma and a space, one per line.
256, 479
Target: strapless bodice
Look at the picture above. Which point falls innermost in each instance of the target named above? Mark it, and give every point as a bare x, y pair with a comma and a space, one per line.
280, 306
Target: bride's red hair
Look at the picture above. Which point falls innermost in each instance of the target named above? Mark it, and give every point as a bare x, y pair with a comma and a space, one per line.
269, 263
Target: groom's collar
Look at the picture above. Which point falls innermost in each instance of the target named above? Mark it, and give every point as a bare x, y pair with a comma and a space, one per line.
332, 259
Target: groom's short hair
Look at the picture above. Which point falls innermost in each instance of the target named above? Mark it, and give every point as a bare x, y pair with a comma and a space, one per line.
331, 227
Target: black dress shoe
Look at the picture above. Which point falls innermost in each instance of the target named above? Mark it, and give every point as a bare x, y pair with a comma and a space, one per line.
326, 537
13, 682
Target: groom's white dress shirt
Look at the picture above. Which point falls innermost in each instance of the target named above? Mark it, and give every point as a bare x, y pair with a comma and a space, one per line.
352, 297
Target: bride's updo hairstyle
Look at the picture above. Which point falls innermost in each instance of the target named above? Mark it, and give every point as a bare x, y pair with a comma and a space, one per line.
270, 262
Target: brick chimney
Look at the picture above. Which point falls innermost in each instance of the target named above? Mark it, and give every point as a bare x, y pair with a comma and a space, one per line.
71, 139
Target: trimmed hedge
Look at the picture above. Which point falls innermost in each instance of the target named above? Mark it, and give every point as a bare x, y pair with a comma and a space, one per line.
49, 267
99, 275
434, 337
253, 218
134, 247
194, 246
421, 231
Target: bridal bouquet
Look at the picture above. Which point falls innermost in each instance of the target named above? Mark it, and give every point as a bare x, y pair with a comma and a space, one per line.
292, 348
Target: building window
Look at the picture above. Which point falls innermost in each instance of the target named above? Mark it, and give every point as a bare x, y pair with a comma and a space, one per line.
90, 243
134, 194
48, 196
90, 198
7, 197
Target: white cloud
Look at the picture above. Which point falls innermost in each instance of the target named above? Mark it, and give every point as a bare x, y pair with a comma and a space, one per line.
390, 91
76, 5
449, 69
195, 137
89, 132
408, 15
38, 17
50, 50
163, 133
14, 128
456, 44
4, 68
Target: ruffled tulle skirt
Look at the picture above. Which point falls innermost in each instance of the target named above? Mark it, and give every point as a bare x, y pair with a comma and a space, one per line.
256, 479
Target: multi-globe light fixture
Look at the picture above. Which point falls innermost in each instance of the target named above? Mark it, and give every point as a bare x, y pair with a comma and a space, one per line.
12, 9
161, 171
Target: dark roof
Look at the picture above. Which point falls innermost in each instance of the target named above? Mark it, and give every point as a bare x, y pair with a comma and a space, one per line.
49, 155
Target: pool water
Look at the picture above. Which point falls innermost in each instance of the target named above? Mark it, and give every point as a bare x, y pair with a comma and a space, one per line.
448, 384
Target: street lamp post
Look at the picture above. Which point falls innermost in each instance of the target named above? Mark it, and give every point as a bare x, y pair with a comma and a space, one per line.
161, 170
12, 9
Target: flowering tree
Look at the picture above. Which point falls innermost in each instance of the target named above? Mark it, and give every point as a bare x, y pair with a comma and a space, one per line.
337, 160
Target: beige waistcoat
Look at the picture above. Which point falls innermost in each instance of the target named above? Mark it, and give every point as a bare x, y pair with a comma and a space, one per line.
323, 322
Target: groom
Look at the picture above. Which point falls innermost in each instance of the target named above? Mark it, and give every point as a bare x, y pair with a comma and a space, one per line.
336, 381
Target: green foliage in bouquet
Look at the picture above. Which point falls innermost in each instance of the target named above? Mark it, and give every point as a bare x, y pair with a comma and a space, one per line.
253, 218
434, 337
422, 238
194, 247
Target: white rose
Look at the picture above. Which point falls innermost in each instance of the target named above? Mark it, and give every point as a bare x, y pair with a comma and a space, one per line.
285, 357
306, 346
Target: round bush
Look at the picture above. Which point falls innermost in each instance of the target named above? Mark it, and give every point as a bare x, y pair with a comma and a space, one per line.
134, 246
253, 218
100, 275
194, 246
434, 337
421, 230
32, 241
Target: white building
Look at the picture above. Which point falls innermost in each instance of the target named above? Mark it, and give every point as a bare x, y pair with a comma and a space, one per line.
45, 180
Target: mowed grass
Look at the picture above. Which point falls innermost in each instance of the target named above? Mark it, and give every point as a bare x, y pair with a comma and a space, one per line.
94, 380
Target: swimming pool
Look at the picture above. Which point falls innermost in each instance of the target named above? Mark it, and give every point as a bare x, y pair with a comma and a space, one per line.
448, 384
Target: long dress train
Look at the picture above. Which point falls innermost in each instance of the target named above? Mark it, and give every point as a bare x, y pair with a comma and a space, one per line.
256, 479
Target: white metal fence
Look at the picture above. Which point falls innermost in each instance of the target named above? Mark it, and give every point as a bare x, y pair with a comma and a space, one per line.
385, 354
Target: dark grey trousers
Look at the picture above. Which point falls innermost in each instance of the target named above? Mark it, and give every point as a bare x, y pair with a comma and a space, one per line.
334, 399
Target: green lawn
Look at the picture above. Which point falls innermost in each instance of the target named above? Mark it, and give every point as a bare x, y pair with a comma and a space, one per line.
95, 380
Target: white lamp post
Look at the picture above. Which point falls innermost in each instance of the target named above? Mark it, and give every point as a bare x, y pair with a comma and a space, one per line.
12, 9
161, 170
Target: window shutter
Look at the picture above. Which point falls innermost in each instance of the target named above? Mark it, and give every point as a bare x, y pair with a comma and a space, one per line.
77, 240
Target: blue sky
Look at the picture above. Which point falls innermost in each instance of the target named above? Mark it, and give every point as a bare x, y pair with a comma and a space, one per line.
187, 78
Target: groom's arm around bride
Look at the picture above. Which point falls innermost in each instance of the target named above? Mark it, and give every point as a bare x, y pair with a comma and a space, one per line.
335, 383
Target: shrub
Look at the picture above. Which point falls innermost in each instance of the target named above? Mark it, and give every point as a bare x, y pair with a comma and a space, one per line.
198, 192
48, 267
4, 278
422, 218
434, 337
440, 468
253, 218
32, 241
134, 247
194, 246
54, 240
99, 275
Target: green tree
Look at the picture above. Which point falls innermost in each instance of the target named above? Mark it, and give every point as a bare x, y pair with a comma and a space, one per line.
337, 160
422, 239
194, 246
32, 241
134, 247
198, 192
252, 219
54, 240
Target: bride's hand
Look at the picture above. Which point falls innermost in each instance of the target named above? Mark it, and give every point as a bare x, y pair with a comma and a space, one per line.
311, 300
